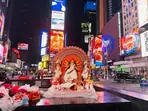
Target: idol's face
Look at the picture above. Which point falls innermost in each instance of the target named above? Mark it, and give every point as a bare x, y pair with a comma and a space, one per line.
72, 62
58, 66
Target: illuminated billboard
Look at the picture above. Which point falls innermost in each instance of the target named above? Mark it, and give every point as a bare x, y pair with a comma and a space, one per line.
22, 46
44, 41
111, 33
57, 20
59, 5
130, 44
43, 51
2, 22
86, 27
97, 51
144, 44
143, 12
44, 38
1, 53
90, 6
56, 41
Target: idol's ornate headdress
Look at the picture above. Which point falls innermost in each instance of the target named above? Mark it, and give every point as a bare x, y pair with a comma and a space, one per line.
85, 62
58, 62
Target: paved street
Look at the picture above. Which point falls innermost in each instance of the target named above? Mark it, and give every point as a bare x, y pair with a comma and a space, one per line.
124, 86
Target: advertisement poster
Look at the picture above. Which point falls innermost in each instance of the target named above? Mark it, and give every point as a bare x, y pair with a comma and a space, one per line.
44, 41
108, 43
44, 38
131, 43
57, 20
144, 44
1, 53
121, 41
2, 22
22, 46
56, 41
5, 53
97, 51
43, 51
143, 12
59, 5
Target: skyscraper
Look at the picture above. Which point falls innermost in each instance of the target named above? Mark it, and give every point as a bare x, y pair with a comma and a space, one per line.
129, 16
112, 7
101, 15
105, 11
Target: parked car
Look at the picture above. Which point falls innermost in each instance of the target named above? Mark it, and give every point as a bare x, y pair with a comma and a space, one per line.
126, 77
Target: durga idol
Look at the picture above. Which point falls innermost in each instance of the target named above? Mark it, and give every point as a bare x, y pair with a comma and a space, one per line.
71, 72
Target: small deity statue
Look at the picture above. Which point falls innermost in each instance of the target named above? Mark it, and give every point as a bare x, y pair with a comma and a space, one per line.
71, 72
89, 83
55, 83
57, 70
85, 72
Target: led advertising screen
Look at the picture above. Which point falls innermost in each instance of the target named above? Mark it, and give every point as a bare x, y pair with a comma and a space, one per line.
107, 43
56, 41
59, 5
44, 38
44, 41
86, 27
90, 6
57, 20
2, 22
121, 42
97, 51
131, 43
144, 44
22, 46
143, 12
43, 51
1, 53
111, 34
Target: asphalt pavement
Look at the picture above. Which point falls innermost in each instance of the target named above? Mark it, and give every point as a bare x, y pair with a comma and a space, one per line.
133, 87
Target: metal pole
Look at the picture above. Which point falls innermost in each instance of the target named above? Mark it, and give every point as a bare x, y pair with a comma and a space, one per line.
106, 61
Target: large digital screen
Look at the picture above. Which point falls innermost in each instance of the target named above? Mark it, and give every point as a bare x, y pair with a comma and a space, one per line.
143, 12
43, 51
90, 6
22, 46
59, 5
97, 51
131, 43
144, 44
2, 22
111, 34
44, 38
1, 53
57, 20
86, 27
56, 41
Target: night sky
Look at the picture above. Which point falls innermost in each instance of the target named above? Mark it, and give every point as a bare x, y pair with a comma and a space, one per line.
31, 16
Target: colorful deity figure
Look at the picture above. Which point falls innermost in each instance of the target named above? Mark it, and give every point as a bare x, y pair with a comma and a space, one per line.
57, 70
89, 83
71, 72
85, 72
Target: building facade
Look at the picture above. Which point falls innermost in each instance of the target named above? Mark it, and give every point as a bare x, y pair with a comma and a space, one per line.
130, 16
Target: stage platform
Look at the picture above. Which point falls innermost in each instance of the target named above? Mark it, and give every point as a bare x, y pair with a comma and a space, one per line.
139, 101
105, 102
